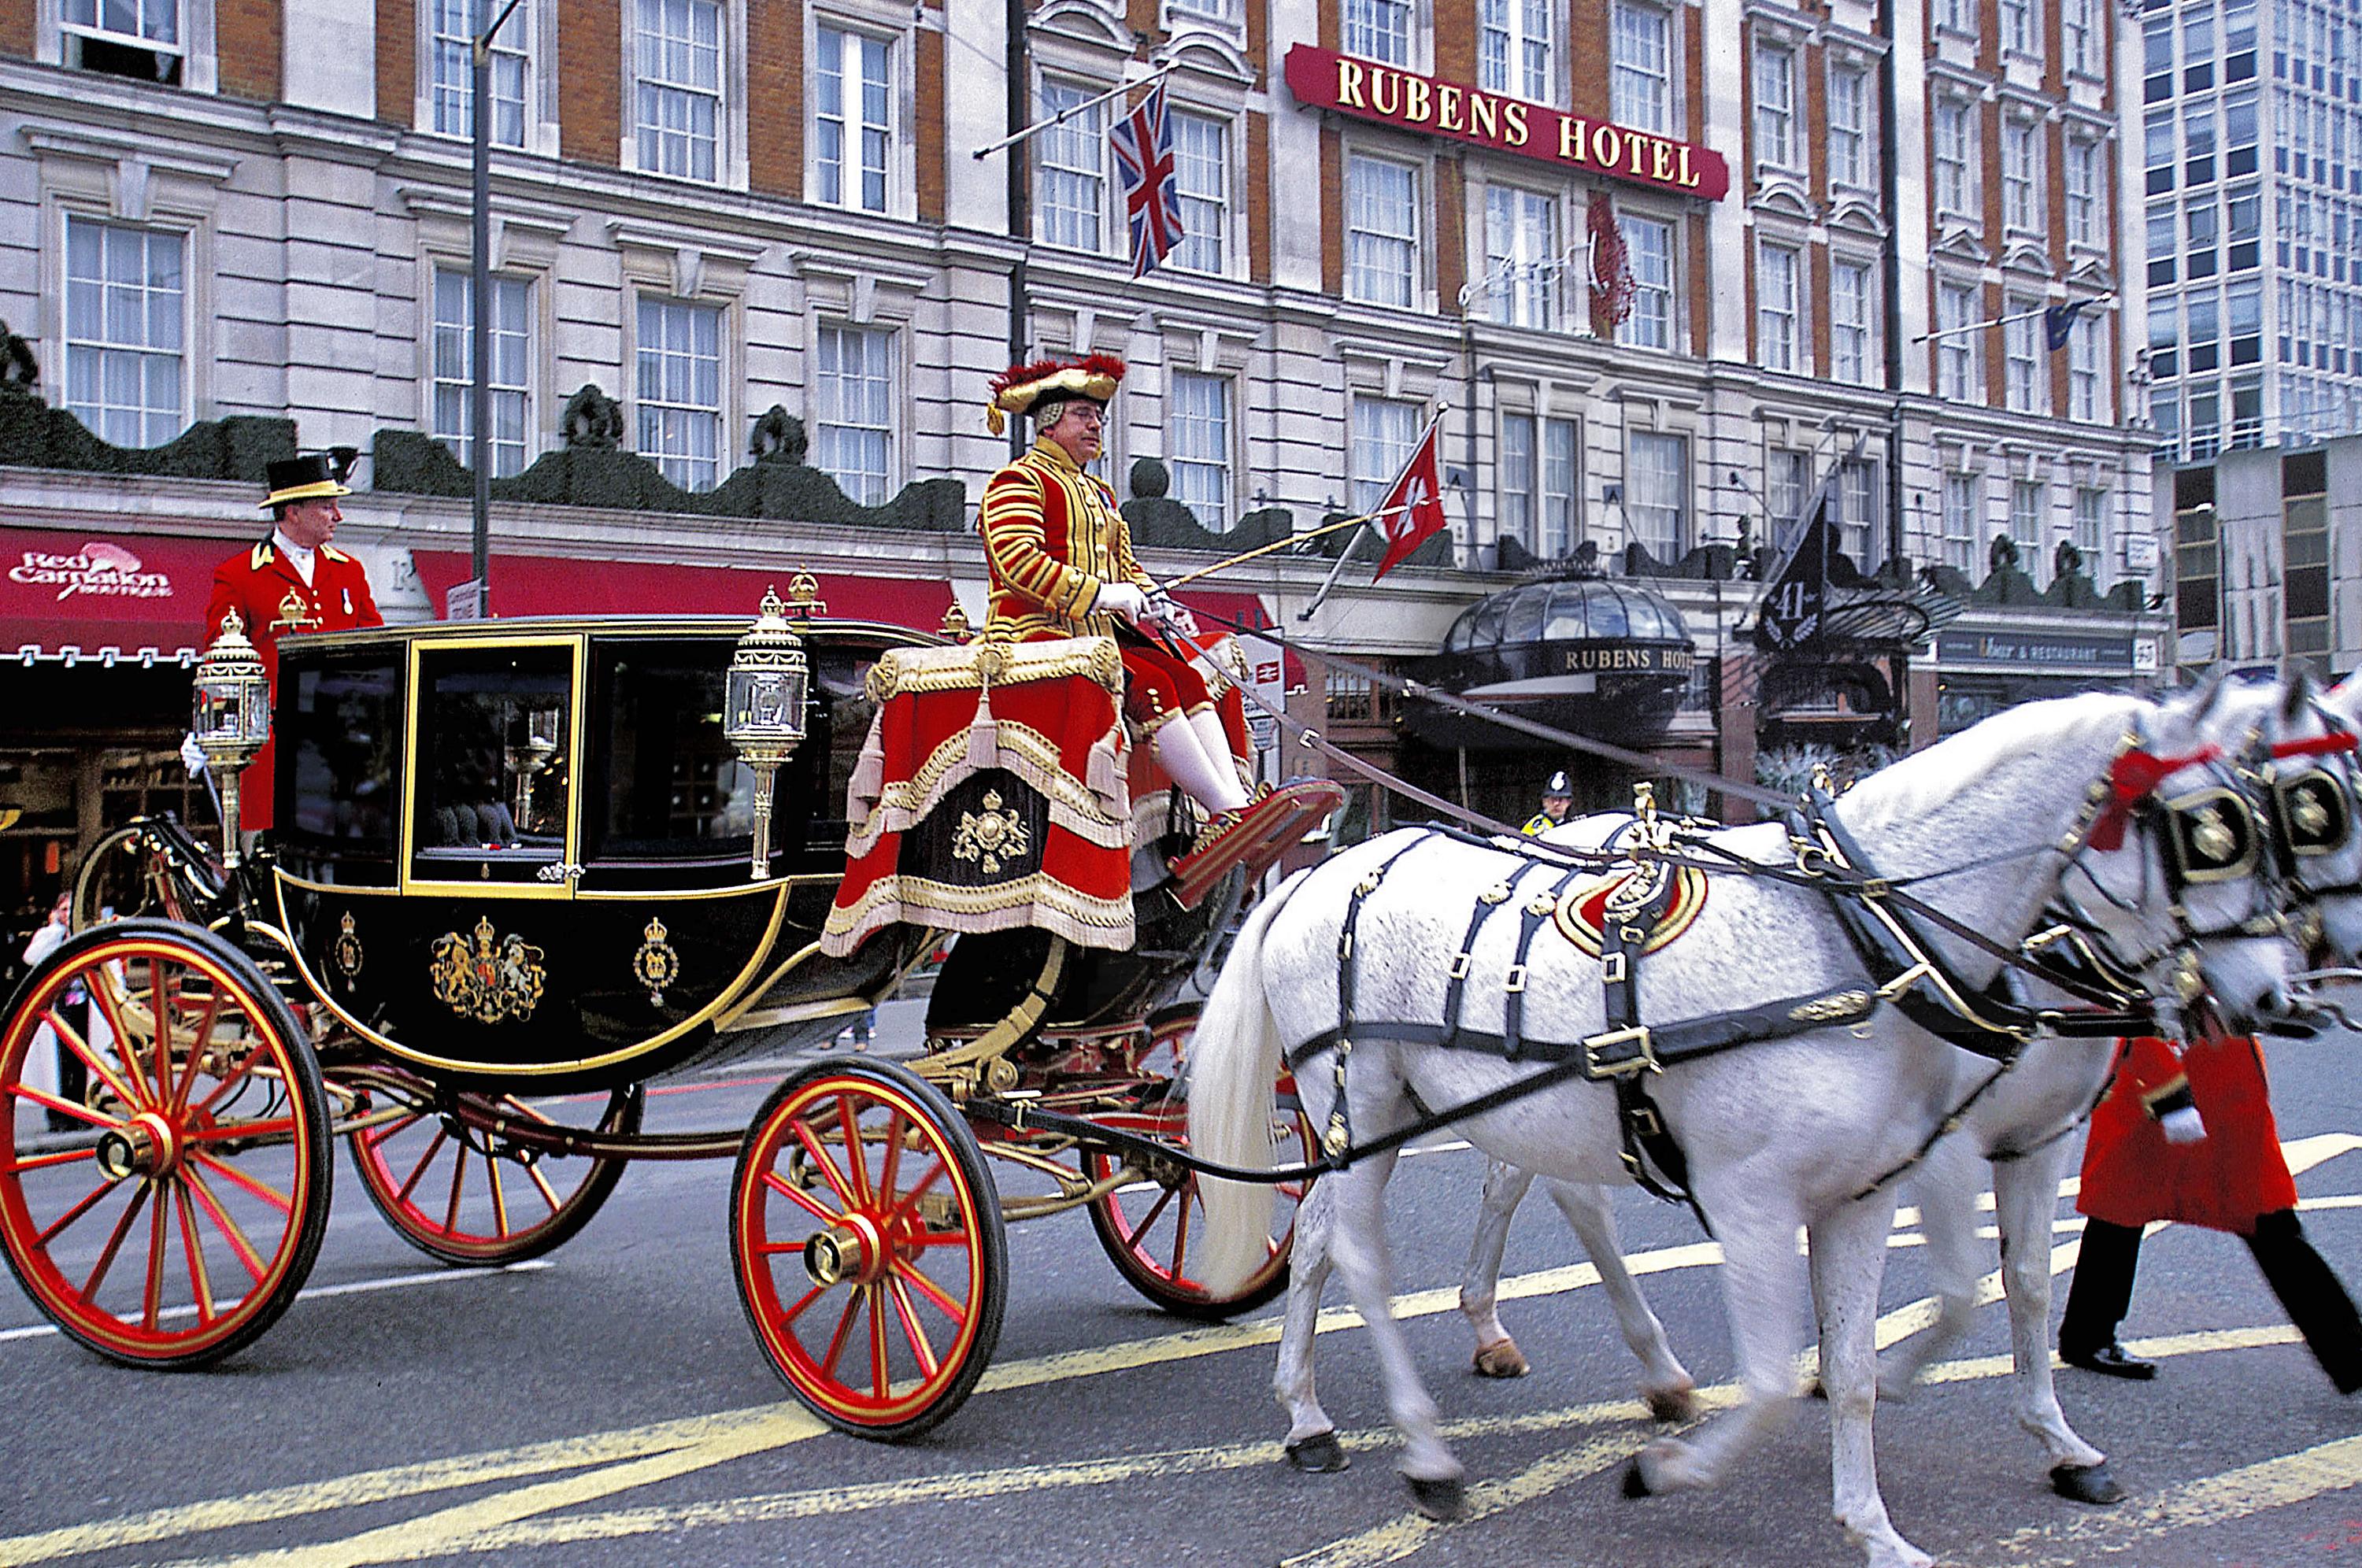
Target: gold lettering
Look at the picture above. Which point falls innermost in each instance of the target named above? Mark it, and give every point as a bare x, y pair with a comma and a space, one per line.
1349, 85
1573, 146
1661, 160
1688, 176
1483, 118
1608, 146
1514, 116
1415, 99
1633, 141
1379, 81
1447, 107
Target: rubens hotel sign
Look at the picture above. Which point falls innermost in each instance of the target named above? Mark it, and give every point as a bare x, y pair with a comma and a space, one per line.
1323, 79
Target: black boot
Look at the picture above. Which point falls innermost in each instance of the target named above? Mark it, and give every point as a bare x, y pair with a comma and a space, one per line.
2097, 1298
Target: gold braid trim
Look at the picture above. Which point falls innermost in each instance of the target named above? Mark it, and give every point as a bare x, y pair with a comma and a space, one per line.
1039, 900
998, 662
1097, 812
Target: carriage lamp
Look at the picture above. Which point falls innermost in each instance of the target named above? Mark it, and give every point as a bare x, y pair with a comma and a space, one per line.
230, 716
764, 717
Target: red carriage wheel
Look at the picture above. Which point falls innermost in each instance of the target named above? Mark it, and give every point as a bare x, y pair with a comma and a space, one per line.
180, 1212
1149, 1227
869, 1247
473, 1198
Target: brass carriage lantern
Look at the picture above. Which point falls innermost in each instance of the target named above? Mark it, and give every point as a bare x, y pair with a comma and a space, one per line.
763, 718
230, 716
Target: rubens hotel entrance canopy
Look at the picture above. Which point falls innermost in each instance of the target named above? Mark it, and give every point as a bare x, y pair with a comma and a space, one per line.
1388, 96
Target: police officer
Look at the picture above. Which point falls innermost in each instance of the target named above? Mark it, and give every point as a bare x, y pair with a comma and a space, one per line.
1557, 799
295, 580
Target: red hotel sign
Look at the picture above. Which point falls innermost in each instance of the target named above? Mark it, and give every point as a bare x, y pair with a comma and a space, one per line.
1327, 80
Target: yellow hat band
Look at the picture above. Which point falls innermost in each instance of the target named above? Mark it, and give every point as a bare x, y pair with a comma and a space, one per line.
316, 490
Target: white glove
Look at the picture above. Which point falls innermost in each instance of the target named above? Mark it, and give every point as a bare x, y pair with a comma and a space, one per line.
2183, 1126
1173, 617
192, 756
1121, 599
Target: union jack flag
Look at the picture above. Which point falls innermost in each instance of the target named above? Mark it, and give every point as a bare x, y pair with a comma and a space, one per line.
1151, 196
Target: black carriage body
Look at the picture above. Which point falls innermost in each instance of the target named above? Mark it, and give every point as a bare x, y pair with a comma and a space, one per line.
515, 853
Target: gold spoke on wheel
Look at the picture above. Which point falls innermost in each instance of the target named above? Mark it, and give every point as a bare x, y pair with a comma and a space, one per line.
910, 1200
81, 1047
374, 1138
199, 1285
499, 1197
236, 1237
65, 1106
811, 1145
548, 1193
106, 1254
906, 1271
89, 1202
844, 1332
856, 1155
420, 1169
1180, 1237
892, 1163
880, 1380
152, 1300
187, 1079
908, 1312
458, 1178
253, 1184
43, 1162
802, 1199
160, 1044
1148, 1221
99, 981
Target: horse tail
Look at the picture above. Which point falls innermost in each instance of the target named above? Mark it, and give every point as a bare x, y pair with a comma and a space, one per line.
1233, 1069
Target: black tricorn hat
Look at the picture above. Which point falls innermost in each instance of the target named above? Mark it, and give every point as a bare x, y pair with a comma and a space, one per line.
301, 479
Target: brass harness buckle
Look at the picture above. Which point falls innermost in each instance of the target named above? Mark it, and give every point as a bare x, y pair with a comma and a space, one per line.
1644, 1060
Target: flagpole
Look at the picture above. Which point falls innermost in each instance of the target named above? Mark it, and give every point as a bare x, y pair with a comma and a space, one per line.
2095, 303
1162, 72
1331, 581
1290, 541
1347, 553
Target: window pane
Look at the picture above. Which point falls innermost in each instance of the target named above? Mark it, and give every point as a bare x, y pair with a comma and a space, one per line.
679, 390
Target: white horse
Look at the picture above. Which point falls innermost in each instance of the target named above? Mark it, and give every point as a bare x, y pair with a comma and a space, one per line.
1778, 1133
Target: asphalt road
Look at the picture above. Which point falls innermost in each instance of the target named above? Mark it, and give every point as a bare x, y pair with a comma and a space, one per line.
607, 1406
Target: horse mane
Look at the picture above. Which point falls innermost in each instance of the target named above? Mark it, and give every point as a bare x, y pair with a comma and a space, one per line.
1910, 789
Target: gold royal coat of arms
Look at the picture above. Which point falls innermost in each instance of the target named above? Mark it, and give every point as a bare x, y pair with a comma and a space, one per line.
487, 976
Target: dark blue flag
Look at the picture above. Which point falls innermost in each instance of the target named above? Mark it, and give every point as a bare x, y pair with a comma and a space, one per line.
2058, 322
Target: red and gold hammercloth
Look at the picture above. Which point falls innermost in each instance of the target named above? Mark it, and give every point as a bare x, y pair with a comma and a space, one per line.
1619, 895
990, 794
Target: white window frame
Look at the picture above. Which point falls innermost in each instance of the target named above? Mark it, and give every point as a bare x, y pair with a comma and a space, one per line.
1642, 506
1648, 317
1385, 431
1772, 65
645, 76
1860, 497
1780, 339
1544, 455
1644, 93
1852, 155
2081, 179
1203, 180
1956, 16
854, 126
514, 391
682, 467
841, 431
1963, 521
2023, 382
2020, 27
448, 102
2021, 174
1368, 30
1853, 323
1518, 49
157, 422
1362, 239
57, 41
1959, 355
1953, 177
1787, 485
2087, 378
1201, 434
2030, 524
2078, 33
1523, 243
1072, 154
2091, 531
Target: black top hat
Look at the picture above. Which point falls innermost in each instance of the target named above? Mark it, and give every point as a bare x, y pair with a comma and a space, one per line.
301, 479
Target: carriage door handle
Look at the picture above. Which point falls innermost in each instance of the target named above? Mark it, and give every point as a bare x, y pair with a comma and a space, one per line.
558, 871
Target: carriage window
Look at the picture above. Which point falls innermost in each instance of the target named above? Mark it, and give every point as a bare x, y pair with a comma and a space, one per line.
668, 784
495, 726
340, 746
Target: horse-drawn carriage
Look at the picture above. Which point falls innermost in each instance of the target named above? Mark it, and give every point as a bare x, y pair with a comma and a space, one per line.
522, 860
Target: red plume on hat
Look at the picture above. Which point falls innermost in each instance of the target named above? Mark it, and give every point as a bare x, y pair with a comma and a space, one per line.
1019, 387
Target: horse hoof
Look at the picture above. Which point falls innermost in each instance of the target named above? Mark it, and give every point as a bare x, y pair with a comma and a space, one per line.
1636, 1484
1318, 1454
1671, 1406
1501, 1358
2086, 1484
1443, 1499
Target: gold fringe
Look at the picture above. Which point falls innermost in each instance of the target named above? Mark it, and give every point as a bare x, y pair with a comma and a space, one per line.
1096, 812
995, 661
1039, 901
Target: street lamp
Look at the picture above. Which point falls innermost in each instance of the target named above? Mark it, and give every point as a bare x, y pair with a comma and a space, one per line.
480, 288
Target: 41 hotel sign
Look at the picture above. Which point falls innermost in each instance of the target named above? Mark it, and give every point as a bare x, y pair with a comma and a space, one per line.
1323, 79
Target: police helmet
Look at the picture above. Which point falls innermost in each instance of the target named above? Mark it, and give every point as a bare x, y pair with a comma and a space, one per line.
1559, 785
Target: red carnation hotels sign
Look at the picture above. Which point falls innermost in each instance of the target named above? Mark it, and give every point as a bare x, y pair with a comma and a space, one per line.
97, 568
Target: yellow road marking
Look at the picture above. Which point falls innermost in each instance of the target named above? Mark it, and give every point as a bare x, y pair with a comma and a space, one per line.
2210, 1500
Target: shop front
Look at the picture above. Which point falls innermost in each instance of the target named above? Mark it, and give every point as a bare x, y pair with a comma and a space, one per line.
1980, 670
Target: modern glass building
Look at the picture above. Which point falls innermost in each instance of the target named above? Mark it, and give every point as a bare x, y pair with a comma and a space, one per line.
2252, 169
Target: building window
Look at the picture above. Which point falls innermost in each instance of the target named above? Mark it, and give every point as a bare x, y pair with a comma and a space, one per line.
1640, 77
2018, 34
456, 25
1776, 320
853, 118
1514, 51
137, 39
1787, 486
2022, 356
679, 391
1960, 374
1199, 433
1538, 486
2157, 151
1852, 348
1201, 167
1072, 186
2027, 524
1957, 15
1648, 250
1962, 498
2079, 29
1385, 430
1775, 105
1955, 150
2021, 175
1856, 520
2091, 529
2198, 142
1379, 30
2086, 356
1382, 231
853, 435
125, 330
1850, 161
1656, 492
454, 372
2082, 180
679, 90
1521, 247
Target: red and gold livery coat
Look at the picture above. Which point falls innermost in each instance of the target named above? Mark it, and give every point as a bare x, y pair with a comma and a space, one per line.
263, 586
1053, 536
2226, 1180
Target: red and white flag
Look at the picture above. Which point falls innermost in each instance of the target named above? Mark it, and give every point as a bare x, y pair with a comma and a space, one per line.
1412, 512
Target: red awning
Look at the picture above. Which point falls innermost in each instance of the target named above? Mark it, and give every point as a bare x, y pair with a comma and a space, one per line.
112, 598
571, 585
